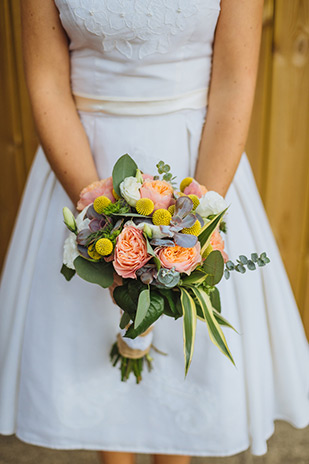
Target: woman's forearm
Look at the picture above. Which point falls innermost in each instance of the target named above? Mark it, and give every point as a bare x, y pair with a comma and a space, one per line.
235, 62
64, 140
224, 136
47, 67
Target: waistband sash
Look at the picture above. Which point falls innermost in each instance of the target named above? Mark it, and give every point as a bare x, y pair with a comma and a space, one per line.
130, 106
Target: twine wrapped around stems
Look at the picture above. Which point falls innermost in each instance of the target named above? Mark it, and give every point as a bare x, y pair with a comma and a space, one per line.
132, 353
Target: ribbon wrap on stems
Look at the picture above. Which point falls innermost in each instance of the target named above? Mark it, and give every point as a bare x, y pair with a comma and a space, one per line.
135, 348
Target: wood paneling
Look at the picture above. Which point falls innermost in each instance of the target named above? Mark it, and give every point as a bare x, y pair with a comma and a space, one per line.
278, 143
17, 135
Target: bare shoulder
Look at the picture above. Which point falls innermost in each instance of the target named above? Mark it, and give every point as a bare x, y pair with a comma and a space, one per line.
44, 38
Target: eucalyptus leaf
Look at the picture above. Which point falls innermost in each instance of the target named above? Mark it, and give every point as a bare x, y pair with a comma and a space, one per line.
251, 265
254, 257
124, 167
100, 273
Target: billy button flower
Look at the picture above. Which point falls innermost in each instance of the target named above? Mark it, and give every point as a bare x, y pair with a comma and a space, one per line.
93, 253
161, 217
144, 206
171, 209
185, 182
195, 200
100, 204
104, 246
194, 230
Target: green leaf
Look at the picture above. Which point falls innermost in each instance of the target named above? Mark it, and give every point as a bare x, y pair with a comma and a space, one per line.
222, 321
125, 320
215, 299
135, 287
171, 298
214, 329
124, 167
207, 230
124, 300
195, 278
101, 273
214, 266
151, 252
142, 307
155, 310
67, 272
130, 215
189, 326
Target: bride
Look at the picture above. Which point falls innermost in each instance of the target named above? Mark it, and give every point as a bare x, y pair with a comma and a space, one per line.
158, 79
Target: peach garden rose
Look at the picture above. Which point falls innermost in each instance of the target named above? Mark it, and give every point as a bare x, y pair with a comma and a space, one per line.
183, 259
159, 191
94, 190
217, 243
196, 189
130, 252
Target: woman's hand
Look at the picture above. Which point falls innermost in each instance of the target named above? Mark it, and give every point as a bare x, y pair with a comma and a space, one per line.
235, 62
47, 66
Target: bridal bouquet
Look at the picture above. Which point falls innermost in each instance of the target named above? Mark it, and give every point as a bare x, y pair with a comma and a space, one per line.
159, 249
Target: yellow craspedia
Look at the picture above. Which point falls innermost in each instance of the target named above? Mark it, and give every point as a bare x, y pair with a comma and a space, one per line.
194, 230
93, 253
171, 209
185, 182
195, 200
144, 206
115, 195
104, 246
161, 217
100, 203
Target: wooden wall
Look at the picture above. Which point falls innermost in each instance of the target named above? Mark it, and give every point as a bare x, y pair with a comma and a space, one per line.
278, 143
17, 135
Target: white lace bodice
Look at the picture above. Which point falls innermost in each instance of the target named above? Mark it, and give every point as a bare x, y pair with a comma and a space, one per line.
154, 47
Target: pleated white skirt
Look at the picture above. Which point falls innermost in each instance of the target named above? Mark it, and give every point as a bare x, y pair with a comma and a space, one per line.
57, 387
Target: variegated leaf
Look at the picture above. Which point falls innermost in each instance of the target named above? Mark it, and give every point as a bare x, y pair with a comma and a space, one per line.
214, 329
189, 326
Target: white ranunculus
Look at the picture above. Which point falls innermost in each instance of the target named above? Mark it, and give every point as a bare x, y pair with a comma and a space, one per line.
129, 189
70, 251
211, 203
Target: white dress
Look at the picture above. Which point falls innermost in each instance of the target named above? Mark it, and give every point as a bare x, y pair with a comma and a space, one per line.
58, 388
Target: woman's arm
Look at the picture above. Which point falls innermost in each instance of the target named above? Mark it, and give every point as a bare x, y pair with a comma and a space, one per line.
235, 61
47, 68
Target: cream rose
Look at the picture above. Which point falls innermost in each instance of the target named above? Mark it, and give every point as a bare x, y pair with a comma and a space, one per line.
211, 203
129, 189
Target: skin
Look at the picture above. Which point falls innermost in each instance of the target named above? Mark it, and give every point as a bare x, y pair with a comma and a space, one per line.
65, 142
235, 62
